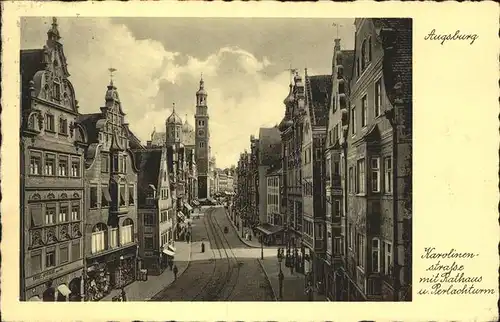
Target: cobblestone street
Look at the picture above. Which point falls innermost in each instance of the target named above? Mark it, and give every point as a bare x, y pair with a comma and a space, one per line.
227, 270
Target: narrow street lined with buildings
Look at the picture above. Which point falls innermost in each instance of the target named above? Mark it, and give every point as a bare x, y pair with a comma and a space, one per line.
319, 208
227, 270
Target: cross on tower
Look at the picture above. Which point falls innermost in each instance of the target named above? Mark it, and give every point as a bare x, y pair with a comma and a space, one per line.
111, 71
337, 25
292, 72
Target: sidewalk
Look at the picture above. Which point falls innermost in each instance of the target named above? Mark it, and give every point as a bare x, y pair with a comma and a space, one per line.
293, 285
254, 243
144, 290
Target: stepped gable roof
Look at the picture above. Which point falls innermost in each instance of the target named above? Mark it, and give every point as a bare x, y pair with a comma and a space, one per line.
319, 89
269, 145
149, 171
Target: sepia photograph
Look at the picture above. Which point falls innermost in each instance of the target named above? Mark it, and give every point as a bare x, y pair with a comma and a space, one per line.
215, 159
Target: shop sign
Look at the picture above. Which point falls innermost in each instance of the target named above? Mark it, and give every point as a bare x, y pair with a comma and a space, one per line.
53, 271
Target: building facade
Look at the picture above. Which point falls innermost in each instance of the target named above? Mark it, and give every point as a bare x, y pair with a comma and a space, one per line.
52, 177
342, 64
156, 212
202, 142
291, 128
317, 101
111, 202
377, 181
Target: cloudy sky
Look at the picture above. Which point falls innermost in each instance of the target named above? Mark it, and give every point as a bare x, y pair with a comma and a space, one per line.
159, 61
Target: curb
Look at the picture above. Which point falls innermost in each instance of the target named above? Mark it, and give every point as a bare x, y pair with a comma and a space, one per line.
238, 234
268, 279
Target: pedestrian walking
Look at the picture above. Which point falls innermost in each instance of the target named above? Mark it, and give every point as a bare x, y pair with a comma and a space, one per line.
291, 268
124, 296
175, 272
171, 263
202, 247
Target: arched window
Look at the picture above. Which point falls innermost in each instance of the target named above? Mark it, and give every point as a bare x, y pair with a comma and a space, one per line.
99, 236
126, 232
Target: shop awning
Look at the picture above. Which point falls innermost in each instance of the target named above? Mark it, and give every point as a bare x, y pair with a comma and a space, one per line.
64, 289
168, 252
269, 229
180, 215
34, 299
195, 202
188, 206
172, 248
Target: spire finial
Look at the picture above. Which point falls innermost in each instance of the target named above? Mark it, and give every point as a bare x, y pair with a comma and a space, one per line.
186, 118
292, 72
53, 33
173, 107
111, 71
337, 25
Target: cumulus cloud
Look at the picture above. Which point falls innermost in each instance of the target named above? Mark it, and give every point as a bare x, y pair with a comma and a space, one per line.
243, 93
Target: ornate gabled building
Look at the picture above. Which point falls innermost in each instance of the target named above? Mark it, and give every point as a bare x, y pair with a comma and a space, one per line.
52, 178
156, 210
111, 189
291, 128
377, 133
342, 64
317, 102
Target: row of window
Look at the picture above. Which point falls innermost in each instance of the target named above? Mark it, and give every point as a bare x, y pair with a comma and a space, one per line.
118, 164
51, 164
364, 108
106, 194
272, 199
380, 251
166, 237
48, 257
167, 215
50, 124
357, 176
273, 181
104, 238
55, 213
334, 134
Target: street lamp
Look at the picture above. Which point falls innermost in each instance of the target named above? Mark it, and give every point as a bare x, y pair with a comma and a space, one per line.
121, 272
280, 275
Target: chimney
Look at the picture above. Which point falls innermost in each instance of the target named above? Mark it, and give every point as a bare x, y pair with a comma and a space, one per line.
149, 144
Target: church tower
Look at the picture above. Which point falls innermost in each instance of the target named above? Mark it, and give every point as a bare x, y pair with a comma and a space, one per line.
202, 141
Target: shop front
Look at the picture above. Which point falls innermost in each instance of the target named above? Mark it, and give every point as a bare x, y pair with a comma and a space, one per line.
168, 255
273, 235
110, 271
61, 284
